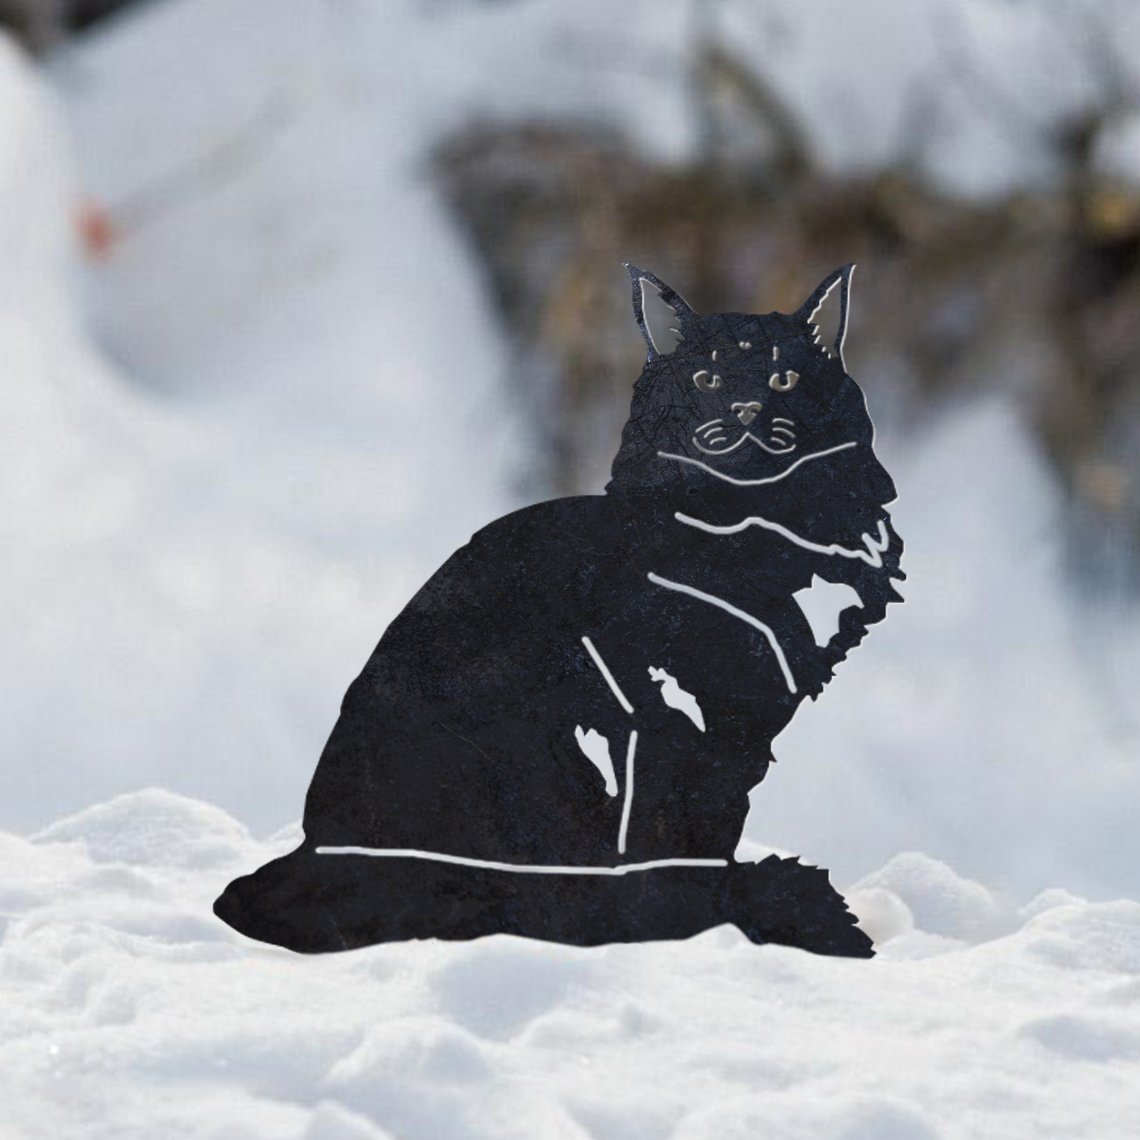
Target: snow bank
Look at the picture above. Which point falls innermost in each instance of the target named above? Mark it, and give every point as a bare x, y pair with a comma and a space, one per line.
191, 584
131, 1012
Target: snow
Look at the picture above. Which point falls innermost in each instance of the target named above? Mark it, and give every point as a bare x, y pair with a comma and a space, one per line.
210, 517
935, 898
130, 1011
201, 573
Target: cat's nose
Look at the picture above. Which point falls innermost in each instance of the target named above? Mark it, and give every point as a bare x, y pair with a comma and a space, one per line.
746, 413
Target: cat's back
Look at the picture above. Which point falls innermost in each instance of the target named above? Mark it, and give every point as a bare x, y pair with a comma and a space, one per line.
558, 545
521, 582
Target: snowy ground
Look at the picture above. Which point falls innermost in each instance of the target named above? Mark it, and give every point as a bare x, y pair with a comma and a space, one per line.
130, 1012
209, 520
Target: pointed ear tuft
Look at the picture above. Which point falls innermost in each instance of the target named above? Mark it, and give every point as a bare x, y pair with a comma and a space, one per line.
660, 311
825, 311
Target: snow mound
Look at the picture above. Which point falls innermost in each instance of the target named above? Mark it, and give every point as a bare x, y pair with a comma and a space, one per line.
940, 901
495, 987
153, 827
128, 1012
1087, 936
881, 913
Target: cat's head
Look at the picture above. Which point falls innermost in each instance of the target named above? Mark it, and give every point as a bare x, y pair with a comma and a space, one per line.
744, 395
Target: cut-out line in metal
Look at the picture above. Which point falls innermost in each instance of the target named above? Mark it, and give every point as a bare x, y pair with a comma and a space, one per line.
603, 668
677, 698
823, 603
756, 482
627, 804
596, 748
744, 616
873, 555
790, 380
774, 450
522, 868
785, 450
720, 450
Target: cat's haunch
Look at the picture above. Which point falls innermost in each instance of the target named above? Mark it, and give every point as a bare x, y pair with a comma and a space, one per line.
558, 735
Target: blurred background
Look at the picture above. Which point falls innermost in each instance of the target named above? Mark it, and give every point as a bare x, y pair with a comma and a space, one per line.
294, 296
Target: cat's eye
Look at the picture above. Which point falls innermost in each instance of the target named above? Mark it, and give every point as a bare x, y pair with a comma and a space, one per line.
783, 383
706, 381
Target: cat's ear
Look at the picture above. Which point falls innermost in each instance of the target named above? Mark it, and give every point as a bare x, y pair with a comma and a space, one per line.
660, 311
825, 312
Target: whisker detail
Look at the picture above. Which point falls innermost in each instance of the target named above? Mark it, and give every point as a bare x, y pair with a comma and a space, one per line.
756, 482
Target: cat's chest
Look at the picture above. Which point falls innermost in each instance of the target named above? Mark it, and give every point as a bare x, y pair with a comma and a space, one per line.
683, 658
596, 602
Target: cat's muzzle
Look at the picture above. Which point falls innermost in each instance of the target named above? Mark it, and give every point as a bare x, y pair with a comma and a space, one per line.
719, 437
746, 413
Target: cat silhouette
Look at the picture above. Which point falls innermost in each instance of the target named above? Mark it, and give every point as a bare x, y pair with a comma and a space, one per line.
558, 735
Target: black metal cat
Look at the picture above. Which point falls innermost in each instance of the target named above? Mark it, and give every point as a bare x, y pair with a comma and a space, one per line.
557, 736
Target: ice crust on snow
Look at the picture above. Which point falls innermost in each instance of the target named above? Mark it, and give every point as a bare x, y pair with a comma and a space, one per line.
129, 1011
